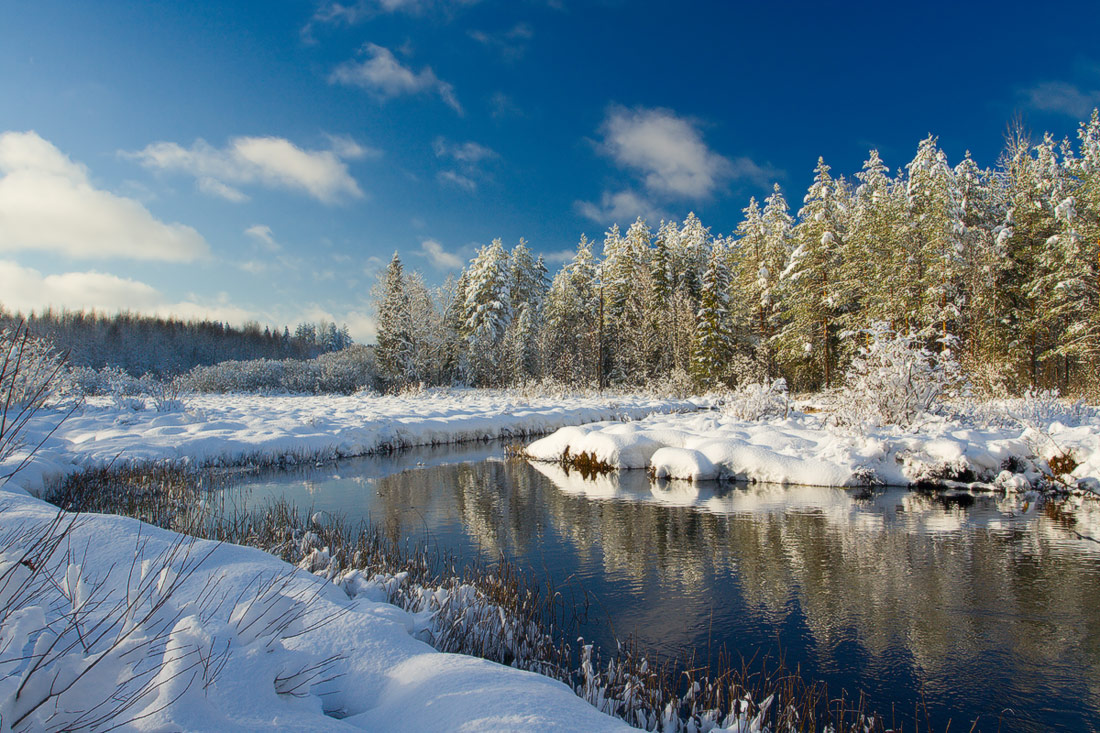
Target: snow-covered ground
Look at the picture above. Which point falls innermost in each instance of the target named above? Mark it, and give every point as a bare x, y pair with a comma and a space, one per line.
242, 640
802, 450
236, 429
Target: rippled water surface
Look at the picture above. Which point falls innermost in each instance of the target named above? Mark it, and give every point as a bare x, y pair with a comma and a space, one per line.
973, 607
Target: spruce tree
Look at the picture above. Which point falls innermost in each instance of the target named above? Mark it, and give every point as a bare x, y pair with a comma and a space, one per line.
713, 346
808, 342
394, 353
488, 311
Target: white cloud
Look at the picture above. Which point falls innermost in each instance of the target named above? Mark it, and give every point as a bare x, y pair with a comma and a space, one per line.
267, 161
457, 179
561, 256
356, 12
468, 157
501, 105
386, 77
48, 203
1059, 96
264, 236
666, 150
510, 44
27, 289
438, 257
214, 187
468, 152
622, 207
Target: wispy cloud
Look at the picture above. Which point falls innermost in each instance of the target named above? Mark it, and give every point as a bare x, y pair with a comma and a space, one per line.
382, 74
670, 161
468, 152
501, 105
457, 179
49, 204
273, 162
510, 44
1064, 97
356, 12
619, 206
467, 157
438, 257
263, 234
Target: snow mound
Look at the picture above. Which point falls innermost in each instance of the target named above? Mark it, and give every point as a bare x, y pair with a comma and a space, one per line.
802, 450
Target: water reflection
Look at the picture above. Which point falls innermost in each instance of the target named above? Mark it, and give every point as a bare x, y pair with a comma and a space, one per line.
979, 602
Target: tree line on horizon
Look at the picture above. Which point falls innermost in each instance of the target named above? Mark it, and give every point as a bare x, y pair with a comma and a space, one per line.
140, 344
999, 265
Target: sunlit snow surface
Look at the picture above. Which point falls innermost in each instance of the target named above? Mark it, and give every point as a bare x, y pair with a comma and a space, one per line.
802, 450
377, 677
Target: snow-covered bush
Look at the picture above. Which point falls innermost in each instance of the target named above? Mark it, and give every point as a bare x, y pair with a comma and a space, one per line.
341, 372
676, 383
1041, 408
346, 371
758, 400
895, 380
31, 377
1036, 409
165, 393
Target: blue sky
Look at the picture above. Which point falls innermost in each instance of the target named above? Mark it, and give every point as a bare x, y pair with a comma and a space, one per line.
261, 160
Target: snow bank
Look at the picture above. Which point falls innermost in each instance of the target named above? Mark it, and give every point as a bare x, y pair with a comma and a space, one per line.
231, 429
801, 450
362, 668
341, 664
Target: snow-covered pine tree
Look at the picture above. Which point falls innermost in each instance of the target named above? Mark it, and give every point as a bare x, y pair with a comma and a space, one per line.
1030, 226
425, 332
626, 262
713, 345
489, 311
529, 285
690, 256
936, 238
807, 343
758, 257
984, 267
875, 257
570, 342
778, 245
1079, 291
394, 353
454, 367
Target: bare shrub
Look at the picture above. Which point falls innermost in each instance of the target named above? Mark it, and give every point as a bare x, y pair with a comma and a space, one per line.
31, 378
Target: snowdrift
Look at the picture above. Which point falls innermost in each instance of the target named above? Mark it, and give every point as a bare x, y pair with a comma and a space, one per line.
801, 450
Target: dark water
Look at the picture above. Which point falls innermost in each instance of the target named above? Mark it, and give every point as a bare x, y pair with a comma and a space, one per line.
972, 607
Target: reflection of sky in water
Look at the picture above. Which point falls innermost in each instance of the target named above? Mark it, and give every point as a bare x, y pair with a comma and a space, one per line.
982, 602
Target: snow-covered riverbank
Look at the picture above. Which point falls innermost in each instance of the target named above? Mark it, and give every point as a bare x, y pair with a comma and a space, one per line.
139, 625
233, 429
801, 449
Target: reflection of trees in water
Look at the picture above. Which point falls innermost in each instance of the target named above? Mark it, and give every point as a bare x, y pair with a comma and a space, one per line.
893, 569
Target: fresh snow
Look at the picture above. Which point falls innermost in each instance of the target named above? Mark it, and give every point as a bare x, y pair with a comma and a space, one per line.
802, 450
235, 429
382, 678
371, 670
